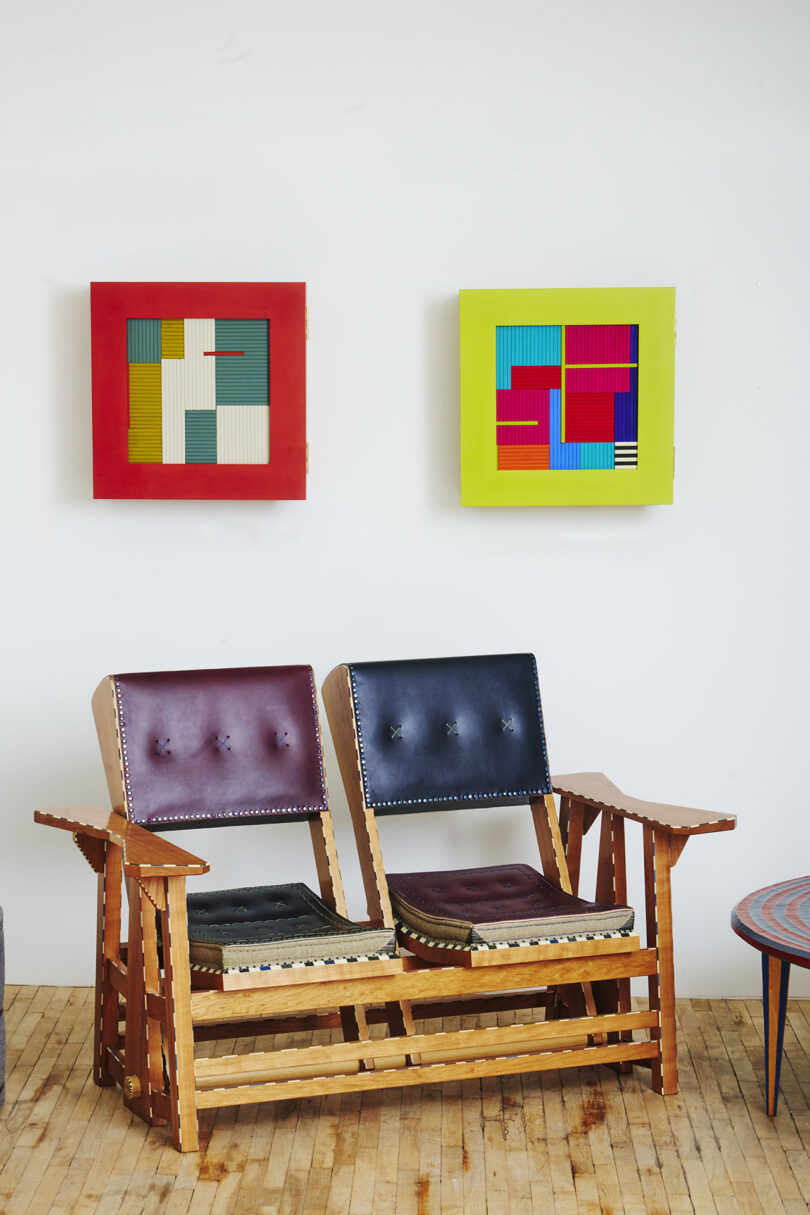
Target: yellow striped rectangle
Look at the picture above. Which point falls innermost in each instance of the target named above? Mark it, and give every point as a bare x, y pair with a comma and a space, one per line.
145, 434
172, 345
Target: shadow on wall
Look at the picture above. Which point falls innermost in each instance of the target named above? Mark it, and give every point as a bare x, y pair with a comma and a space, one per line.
441, 398
71, 397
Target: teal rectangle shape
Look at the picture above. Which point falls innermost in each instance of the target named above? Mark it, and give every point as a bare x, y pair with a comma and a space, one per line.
143, 340
525, 346
242, 378
596, 455
201, 436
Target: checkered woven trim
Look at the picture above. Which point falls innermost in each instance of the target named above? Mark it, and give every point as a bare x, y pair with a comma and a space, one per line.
477, 946
310, 962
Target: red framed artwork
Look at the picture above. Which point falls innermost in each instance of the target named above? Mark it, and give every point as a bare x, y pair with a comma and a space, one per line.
199, 390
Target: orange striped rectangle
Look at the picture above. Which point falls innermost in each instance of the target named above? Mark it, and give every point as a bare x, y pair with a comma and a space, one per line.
523, 455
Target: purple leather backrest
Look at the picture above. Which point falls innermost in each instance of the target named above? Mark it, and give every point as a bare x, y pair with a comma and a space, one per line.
211, 748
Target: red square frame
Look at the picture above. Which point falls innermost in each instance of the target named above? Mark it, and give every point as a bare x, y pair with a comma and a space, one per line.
283, 305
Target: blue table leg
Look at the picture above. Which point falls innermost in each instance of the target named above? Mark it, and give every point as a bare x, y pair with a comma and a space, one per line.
775, 976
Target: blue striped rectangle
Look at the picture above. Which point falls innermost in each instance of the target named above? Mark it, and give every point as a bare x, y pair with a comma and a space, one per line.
634, 343
143, 341
561, 455
625, 418
201, 436
242, 379
525, 346
596, 455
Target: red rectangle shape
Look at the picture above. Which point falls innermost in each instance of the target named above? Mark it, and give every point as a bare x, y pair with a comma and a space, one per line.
597, 379
589, 417
597, 344
283, 305
536, 377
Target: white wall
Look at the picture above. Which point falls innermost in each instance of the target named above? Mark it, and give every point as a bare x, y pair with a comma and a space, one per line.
389, 154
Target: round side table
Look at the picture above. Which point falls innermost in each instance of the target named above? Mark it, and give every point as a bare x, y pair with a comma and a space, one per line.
776, 921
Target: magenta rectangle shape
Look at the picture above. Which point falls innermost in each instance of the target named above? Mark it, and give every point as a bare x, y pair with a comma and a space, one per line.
522, 404
597, 379
598, 344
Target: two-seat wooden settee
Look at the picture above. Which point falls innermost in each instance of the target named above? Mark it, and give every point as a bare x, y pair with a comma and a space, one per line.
210, 748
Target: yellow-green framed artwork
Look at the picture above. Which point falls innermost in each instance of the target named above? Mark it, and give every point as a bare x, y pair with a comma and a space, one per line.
567, 396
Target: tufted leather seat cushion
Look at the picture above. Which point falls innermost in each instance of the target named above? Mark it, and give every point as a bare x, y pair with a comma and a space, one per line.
265, 925
497, 903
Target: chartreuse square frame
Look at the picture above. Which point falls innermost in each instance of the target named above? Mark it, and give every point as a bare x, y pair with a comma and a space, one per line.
649, 313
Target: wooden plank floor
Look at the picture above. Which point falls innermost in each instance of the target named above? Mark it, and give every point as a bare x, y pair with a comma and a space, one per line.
575, 1141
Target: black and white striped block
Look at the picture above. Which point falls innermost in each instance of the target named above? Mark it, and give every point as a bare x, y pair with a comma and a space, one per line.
300, 965
625, 455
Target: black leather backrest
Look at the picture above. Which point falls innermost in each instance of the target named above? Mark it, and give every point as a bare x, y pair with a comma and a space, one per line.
210, 748
442, 733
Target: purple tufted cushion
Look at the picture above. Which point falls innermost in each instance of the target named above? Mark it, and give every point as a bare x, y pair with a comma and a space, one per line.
497, 903
206, 748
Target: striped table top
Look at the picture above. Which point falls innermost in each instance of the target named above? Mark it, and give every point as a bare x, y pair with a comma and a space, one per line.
776, 920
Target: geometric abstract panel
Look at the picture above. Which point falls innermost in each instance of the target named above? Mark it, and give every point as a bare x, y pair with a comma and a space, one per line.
181, 372
199, 390
571, 388
567, 396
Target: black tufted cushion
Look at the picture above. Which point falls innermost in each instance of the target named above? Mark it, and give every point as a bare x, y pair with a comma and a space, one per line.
442, 733
497, 903
204, 748
262, 925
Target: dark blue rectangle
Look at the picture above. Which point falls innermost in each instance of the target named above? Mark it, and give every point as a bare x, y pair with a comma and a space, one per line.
634, 343
625, 418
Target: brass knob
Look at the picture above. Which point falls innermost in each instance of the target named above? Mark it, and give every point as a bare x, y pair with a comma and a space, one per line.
132, 1086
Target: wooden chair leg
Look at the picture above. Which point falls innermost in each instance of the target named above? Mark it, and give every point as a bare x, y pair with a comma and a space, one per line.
179, 1031
775, 979
658, 891
154, 1038
108, 945
611, 886
136, 1068
573, 842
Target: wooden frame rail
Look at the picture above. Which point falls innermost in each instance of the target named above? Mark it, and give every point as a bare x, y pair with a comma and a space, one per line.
584, 797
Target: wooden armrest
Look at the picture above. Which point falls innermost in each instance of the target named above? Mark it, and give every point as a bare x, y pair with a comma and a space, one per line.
594, 789
145, 854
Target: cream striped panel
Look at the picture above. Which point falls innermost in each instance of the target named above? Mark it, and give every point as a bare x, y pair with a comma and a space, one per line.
200, 372
174, 410
243, 434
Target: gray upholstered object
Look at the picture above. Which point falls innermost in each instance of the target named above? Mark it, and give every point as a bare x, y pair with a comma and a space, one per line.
2, 1013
